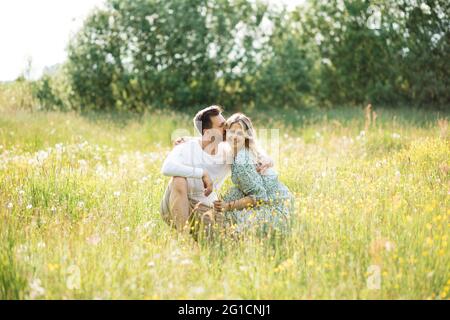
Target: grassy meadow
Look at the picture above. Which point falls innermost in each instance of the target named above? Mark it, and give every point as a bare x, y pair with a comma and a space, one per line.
80, 194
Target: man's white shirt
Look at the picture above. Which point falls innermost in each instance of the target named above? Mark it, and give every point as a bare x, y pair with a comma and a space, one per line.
189, 160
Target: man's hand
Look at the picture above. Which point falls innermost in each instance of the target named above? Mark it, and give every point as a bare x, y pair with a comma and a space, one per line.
179, 140
264, 164
207, 183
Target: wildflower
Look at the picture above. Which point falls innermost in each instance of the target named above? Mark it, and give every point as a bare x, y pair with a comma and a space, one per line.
53, 209
389, 246
395, 136
73, 280
148, 225
9, 205
144, 179
82, 145
80, 204
116, 194
29, 206
151, 264
82, 163
361, 135
59, 147
185, 262
41, 245
36, 289
52, 266
94, 240
197, 290
41, 155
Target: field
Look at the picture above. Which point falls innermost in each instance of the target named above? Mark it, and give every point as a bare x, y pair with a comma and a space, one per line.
79, 201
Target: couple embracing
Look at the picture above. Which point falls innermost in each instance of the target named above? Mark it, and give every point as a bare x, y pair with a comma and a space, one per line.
257, 200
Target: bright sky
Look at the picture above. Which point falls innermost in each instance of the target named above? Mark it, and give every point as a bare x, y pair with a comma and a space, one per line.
40, 30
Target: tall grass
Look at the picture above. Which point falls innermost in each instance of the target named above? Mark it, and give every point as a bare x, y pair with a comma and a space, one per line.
79, 201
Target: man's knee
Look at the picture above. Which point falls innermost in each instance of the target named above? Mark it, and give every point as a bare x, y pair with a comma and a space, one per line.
179, 185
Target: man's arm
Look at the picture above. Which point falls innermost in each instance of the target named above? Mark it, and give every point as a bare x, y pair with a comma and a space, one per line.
181, 140
173, 166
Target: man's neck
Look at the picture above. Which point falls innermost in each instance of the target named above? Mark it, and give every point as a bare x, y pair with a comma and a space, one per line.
210, 147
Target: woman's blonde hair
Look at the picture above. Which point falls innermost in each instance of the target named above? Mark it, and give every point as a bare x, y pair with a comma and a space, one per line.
249, 131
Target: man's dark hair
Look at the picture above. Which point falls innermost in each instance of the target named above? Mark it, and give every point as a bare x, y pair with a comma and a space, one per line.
202, 120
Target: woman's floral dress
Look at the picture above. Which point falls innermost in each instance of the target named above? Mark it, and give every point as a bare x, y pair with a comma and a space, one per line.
274, 198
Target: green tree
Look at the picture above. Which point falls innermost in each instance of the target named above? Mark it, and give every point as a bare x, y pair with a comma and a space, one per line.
171, 53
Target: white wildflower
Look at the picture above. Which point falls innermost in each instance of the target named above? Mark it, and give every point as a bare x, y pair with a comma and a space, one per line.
82, 163
59, 147
144, 179
148, 225
73, 280
197, 290
94, 239
41, 156
186, 262
41, 245
36, 289
82, 145
388, 246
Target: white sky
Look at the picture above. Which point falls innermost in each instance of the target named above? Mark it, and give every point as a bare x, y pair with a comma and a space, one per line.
40, 29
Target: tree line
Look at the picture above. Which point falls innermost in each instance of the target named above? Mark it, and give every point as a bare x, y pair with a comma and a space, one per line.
140, 54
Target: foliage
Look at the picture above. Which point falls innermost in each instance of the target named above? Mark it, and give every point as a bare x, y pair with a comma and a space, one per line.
380, 51
183, 54
173, 53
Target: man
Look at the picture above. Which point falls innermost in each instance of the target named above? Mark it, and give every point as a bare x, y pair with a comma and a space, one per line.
198, 168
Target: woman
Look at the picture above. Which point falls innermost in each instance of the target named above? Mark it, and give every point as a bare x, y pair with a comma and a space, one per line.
256, 200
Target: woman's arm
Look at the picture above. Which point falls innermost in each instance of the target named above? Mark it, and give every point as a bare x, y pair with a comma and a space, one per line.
243, 203
250, 182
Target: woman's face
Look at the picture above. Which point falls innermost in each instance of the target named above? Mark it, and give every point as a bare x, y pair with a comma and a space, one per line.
236, 136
